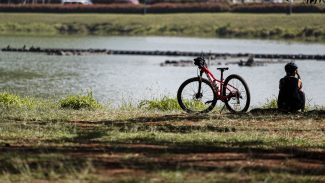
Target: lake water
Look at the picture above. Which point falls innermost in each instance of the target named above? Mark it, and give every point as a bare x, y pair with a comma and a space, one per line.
114, 78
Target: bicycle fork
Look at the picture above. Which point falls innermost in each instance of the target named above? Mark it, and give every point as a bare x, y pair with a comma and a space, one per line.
199, 94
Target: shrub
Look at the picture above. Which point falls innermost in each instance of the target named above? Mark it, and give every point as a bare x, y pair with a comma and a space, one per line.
278, 31
289, 35
77, 102
224, 30
7, 99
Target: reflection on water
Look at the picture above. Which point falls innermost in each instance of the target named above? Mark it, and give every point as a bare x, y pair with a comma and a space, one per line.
12, 75
116, 78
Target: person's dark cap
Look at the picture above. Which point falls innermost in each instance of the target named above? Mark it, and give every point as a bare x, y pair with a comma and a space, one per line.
290, 67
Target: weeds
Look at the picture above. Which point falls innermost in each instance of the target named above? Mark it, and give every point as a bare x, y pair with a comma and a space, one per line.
11, 100
271, 103
78, 102
164, 104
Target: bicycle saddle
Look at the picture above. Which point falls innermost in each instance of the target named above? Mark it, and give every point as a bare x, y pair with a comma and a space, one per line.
223, 68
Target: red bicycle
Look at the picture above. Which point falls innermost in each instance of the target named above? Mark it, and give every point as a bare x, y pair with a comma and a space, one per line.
201, 95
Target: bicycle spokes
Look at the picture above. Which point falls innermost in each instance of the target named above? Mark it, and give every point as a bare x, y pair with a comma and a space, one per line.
196, 97
236, 94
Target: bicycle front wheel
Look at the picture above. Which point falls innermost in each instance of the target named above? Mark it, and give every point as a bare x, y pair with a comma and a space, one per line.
236, 89
195, 99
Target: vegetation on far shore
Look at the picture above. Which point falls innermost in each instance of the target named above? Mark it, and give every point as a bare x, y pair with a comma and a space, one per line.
194, 7
306, 27
42, 140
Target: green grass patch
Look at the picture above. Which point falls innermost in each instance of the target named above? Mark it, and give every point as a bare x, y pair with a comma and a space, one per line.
163, 104
170, 104
78, 102
12, 100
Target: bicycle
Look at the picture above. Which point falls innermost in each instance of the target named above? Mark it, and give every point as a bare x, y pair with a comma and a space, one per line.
201, 95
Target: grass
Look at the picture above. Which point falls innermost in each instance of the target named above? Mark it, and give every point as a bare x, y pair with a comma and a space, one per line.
271, 103
136, 144
78, 102
308, 27
169, 104
8, 99
164, 104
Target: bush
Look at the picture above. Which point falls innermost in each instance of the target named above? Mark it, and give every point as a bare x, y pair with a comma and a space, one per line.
77, 102
224, 30
7, 99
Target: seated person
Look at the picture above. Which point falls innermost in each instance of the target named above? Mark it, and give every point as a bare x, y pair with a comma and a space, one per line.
291, 97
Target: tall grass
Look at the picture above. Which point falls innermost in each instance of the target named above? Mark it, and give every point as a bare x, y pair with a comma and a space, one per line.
80, 102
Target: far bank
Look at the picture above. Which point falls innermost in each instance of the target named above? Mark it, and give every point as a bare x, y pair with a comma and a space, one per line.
302, 27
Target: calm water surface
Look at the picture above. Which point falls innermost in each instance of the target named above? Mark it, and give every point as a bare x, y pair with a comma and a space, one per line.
131, 78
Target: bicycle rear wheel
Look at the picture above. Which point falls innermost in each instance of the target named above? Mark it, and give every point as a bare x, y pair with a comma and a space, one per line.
239, 96
192, 100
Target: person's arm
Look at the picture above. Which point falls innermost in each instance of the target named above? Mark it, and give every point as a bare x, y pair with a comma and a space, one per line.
300, 84
299, 81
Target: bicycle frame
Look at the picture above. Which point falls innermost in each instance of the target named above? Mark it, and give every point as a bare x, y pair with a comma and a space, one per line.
212, 79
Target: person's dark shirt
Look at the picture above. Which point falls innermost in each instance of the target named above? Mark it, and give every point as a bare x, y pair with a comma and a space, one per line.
289, 98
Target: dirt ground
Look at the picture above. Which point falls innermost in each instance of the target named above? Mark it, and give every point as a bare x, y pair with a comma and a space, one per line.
140, 159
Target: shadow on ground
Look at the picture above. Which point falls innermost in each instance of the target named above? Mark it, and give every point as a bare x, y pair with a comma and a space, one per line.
151, 157
148, 156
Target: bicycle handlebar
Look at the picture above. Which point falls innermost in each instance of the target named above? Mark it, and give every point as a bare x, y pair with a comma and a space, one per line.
200, 62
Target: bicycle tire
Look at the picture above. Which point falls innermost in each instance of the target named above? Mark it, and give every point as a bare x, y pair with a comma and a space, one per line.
183, 103
227, 103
